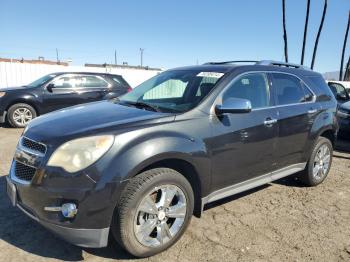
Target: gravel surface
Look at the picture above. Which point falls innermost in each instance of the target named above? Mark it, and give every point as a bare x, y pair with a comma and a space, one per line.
282, 221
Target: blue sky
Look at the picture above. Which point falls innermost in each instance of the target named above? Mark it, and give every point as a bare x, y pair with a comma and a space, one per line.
173, 33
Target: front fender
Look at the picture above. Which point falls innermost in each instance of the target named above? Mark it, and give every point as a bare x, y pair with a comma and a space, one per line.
135, 153
26, 98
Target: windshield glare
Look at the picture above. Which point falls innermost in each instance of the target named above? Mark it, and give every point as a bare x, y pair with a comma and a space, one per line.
174, 91
42, 80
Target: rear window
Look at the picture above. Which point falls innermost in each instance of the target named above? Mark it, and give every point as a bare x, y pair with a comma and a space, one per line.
290, 89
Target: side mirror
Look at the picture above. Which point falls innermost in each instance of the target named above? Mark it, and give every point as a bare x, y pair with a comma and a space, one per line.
49, 87
234, 106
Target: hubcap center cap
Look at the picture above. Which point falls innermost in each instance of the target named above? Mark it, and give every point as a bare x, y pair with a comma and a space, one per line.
161, 215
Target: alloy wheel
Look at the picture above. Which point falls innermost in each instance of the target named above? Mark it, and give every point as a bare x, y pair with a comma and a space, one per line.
321, 162
160, 215
22, 115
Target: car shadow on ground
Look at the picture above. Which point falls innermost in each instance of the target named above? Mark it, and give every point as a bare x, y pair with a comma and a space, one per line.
20, 231
234, 197
289, 181
5, 125
341, 146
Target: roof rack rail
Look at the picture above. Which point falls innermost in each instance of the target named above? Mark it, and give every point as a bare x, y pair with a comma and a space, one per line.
278, 63
231, 62
262, 62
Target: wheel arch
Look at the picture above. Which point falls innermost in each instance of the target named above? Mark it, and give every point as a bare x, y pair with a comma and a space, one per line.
136, 153
24, 101
329, 134
189, 171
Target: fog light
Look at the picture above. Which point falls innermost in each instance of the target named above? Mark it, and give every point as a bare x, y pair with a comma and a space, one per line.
69, 210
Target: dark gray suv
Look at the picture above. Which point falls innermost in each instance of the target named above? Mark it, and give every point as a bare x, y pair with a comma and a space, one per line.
137, 168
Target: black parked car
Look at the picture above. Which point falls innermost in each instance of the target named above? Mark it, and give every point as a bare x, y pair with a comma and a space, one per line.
343, 99
137, 168
56, 91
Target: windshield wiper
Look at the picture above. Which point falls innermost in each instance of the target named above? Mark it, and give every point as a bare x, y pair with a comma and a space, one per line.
143, 105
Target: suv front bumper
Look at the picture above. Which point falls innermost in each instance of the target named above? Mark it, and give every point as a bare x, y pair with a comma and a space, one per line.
92, 238
3, 117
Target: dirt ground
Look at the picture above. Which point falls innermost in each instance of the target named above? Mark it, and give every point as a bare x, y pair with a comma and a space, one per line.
282, 221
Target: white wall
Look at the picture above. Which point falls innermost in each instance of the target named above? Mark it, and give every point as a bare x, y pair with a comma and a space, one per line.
17, 74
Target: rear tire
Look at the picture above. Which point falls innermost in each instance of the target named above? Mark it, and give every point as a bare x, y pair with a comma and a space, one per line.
20, 114
153, 212
319, 163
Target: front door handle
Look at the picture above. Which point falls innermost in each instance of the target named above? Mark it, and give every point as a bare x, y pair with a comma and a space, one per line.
270, 121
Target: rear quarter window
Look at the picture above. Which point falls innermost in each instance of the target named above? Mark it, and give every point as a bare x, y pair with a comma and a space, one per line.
323, 90
120, 82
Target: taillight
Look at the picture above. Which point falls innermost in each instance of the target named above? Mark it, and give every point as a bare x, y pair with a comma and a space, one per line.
129, 89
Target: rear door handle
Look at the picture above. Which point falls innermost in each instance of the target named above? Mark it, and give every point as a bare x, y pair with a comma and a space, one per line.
312, 111
270, 121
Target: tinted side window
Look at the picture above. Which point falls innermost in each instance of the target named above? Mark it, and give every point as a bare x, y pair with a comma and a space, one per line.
289, 89
120, 82
253, 87
339, 90
91, 81
309, 96
324, 93
64, 82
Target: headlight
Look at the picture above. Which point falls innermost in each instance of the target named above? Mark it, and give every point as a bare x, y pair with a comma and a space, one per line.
343, 113
80, 153
2, 94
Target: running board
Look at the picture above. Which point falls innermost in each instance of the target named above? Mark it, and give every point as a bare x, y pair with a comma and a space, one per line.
252, 183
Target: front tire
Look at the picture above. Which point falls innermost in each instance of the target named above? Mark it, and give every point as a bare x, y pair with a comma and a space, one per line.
154, 211
20, 114
319, 163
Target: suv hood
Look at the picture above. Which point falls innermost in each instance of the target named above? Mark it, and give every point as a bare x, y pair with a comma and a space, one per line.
88, 120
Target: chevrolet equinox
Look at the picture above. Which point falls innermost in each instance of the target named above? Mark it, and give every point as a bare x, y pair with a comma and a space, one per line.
137, 168
55, 91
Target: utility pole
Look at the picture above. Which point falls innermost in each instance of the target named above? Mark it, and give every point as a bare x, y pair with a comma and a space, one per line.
57, 60
319, 34
344, 48
141, 53
115, 57
305, 31
285, 31
347, 71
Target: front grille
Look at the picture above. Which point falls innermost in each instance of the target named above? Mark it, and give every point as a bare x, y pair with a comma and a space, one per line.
24, 172
32, 145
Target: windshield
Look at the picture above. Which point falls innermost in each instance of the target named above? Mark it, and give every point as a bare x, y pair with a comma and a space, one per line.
41, 80
173, 91
339, 91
